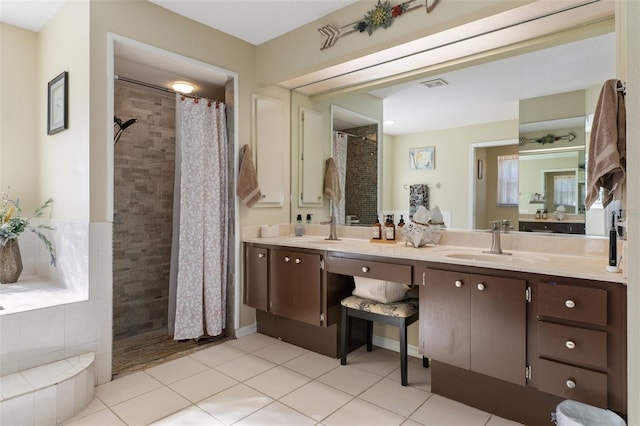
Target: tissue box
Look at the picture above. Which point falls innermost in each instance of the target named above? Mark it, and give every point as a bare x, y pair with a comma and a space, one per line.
269, 231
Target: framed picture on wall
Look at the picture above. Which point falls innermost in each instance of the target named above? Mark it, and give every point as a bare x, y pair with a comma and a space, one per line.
57, 106
422, 158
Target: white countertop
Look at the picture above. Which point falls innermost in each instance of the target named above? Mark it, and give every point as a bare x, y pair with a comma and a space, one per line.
586, 267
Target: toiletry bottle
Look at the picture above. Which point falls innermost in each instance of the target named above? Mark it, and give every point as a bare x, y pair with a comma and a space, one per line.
544, 213
299, 230
401, 222
389, 229
308, 218
377, 230
538, 214
613, 245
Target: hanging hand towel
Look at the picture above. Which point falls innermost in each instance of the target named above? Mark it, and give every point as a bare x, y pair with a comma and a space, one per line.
331, 182
247, 188
607, 148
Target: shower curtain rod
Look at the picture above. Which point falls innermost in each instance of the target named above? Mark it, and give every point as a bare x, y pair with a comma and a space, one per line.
357, 137
164, 89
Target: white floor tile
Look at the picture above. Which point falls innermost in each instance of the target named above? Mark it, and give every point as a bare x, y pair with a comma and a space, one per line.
276, 414
440, 411
252, 342
234, 404
103, 417
277, 382
379, 361
316, 400
245, 367
312, 364
410, 422
190, 416
126, 387
177, 369
94, 406
359, 412
280, 352
394, 397
203, 385
349, 379
418, 376
499, 421
150, 407
217, 355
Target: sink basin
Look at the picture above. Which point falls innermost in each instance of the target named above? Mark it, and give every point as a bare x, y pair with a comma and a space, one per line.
479, 256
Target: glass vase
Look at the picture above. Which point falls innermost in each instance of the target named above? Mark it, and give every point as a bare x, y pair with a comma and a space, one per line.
10, 262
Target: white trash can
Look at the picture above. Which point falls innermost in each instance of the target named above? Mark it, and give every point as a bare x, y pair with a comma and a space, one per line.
573, 413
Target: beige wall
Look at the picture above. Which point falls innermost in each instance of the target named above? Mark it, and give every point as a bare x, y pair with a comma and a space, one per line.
452, 151
19, 115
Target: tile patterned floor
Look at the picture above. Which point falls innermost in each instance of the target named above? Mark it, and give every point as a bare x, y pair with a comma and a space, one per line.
259, 380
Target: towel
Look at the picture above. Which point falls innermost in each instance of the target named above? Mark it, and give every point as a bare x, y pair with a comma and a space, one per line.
247, 188
607, 148
332, 182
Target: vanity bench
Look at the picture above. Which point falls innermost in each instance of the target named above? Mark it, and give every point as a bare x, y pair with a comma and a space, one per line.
513, 337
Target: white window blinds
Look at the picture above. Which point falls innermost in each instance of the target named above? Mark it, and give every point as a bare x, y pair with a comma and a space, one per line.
507, 180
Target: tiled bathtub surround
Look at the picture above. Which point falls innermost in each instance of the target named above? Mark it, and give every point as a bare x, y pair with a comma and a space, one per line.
42, 285
49, 394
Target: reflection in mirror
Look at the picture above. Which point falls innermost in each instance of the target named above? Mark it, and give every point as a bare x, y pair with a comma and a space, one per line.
355, 150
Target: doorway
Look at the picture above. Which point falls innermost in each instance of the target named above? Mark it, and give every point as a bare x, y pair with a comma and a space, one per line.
143, 181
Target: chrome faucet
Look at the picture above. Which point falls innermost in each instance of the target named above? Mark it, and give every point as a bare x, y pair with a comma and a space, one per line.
497, 227
332, 228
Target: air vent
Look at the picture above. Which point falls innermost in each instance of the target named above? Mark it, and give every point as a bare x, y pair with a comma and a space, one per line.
431, 84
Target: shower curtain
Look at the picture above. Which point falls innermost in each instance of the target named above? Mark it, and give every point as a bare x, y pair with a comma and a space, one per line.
339, 148
199, 257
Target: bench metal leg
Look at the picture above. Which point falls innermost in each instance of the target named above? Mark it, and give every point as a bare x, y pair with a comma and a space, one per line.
403, 353
344, 338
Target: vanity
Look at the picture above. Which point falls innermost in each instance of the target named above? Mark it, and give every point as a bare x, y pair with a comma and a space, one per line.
512, 335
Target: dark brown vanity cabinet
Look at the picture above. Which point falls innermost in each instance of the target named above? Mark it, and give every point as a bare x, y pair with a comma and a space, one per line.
283, 282
296, 280
475, 322
581, 343
552, 227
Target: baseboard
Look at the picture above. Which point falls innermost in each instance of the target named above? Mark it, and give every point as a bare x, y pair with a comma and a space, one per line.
245, 331
394, 345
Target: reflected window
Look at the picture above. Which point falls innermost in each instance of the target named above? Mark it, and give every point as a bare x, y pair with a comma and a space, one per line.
565, 190
507, 180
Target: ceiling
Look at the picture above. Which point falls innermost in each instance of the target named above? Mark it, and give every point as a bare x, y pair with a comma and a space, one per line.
483, 93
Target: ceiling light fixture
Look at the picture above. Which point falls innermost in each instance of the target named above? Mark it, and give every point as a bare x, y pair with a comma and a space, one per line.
182, 87
389, 122
431, 84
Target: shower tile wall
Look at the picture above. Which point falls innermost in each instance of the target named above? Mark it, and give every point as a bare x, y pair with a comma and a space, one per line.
143, 210
361, 185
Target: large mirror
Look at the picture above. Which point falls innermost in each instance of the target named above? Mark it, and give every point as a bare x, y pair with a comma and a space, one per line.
355, 148
473, 113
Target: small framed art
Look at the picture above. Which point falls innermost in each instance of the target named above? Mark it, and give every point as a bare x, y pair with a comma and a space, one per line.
57, 106
422, 158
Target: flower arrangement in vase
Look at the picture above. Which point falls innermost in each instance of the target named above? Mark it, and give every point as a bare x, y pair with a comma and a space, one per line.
11, 226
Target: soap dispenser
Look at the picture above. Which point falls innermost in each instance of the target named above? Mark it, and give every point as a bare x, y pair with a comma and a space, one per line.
299, 230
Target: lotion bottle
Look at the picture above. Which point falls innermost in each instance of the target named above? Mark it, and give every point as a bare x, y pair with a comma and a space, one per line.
376, 230
389, 229
299, 230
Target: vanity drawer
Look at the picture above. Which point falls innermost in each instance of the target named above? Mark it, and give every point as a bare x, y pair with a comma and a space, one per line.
573, 344
370, 269
588, 305
572, 382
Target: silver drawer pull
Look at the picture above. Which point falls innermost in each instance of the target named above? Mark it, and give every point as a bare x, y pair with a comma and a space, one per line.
481, 286
570, 344
570, 304
287, 259
298, 260
260, 255
571, 384
458, 283
365, 269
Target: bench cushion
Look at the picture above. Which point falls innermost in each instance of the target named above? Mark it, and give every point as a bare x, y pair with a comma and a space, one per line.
403, 309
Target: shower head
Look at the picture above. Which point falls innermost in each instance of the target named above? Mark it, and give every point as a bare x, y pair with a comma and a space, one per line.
117, 121
128, 123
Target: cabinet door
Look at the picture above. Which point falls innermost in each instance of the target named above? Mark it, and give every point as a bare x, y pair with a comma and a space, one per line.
445, 317
295, 280
498, 327
256, 276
